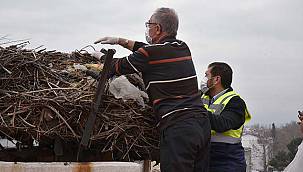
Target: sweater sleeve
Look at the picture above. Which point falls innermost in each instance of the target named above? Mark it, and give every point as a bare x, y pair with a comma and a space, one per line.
134, 63
232, 117
138, 45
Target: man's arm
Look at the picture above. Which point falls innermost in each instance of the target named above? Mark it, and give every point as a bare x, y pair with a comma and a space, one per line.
232, 117
130, 44
126, 43
138, 45
134, 63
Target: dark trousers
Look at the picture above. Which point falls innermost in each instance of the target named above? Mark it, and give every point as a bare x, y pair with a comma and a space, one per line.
184, 146
226, 157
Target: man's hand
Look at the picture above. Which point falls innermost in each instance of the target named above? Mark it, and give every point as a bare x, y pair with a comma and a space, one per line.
108, 40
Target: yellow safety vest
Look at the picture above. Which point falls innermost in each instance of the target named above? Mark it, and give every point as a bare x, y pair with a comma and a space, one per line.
230, 136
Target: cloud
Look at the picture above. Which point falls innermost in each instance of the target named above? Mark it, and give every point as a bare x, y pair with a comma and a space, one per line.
261, 40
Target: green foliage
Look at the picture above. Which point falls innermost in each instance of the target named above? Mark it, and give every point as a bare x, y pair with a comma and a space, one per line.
280, 161
293, 147
282, 158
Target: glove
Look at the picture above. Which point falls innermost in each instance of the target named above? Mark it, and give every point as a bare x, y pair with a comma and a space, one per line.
108, 40
94, 67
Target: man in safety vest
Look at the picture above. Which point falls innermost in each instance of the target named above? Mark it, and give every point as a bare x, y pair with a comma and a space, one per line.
228, 114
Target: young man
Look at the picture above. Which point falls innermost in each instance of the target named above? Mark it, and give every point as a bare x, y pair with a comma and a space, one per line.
228, 114
171, 83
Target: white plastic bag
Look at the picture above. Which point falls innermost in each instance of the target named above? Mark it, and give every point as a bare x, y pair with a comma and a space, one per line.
296, 163
96, 54
79, 67
122, 88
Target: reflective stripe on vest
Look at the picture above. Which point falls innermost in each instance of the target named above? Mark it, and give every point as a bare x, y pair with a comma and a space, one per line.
230, 136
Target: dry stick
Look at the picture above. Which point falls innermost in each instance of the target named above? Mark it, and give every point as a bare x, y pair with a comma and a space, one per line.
13, 118
6, 109
127, 148
26, 122
105, 134
59, 125
54, 110
16, 112
8, 42
6, 70
7, 135
79, 116
107, 144
35, 73
100, 128
131, 146
3, 120
41, 50
48, 83
33, 52
50, 89
29, 113
88, 95
38, 48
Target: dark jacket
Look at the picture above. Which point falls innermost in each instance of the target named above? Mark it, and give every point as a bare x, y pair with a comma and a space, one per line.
232, 117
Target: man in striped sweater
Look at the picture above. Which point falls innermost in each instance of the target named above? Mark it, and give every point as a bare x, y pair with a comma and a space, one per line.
171, 83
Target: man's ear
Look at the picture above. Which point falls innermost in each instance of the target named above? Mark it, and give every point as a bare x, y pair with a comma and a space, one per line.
158, 29
218, 79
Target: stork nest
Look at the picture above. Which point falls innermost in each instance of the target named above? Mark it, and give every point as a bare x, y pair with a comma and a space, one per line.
43, 97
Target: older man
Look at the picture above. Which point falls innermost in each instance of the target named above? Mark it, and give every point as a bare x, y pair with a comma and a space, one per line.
171, 83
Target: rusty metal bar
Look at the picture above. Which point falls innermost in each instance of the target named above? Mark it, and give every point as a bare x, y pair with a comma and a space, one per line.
146, 165
97, 100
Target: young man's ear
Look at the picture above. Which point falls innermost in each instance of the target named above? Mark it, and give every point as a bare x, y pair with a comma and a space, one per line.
218, 79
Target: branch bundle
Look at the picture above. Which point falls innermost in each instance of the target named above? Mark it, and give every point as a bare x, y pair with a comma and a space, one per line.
43, 97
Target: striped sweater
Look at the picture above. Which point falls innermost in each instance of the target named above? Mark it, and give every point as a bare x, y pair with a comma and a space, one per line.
168, 73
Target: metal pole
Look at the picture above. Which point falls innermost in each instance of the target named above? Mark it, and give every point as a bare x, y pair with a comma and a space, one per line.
97, 101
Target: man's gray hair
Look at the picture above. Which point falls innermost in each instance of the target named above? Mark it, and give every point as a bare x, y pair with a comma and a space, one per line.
168, 19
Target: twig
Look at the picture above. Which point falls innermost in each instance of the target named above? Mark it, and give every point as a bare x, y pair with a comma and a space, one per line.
54, 110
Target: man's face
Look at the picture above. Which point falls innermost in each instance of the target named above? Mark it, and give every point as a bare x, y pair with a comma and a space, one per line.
209, 77
152, 29
212, 81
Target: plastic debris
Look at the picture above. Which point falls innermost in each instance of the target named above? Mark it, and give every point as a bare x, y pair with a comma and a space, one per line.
122, 88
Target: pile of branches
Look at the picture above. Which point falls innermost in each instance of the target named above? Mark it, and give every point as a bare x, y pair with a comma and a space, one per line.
43, 98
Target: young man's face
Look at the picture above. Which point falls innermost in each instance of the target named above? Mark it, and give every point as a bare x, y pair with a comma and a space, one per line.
209, 77
211, 80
